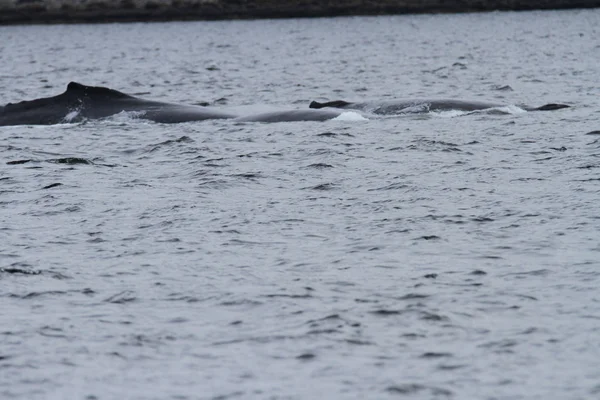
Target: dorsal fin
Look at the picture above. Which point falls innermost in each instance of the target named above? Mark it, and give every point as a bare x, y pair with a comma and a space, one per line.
552, 107
336, 104
93, 91
73, 86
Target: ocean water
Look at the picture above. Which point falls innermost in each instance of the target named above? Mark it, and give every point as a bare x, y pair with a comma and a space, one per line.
422, 256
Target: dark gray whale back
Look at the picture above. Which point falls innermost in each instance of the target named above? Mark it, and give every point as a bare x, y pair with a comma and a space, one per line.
44, 111
81, 102
291, 116
423, 105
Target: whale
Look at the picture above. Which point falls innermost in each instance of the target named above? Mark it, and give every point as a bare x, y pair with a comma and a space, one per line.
409, 106
80, 102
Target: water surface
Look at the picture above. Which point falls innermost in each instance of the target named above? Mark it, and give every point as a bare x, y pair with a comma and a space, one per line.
426, 256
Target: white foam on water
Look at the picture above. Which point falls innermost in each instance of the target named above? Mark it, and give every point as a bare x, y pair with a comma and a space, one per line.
449, 113
71, 116
511, 109
350, 116
503, 110
126, 116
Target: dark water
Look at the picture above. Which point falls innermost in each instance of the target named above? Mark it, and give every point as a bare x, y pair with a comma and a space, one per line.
433, 256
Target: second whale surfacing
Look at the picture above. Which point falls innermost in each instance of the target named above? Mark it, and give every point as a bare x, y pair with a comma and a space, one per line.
80, 102
395, 107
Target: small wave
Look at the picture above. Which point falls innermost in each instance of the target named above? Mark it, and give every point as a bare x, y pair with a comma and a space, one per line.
70, 161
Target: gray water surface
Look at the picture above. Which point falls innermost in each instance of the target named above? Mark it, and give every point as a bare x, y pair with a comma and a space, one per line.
427, 256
